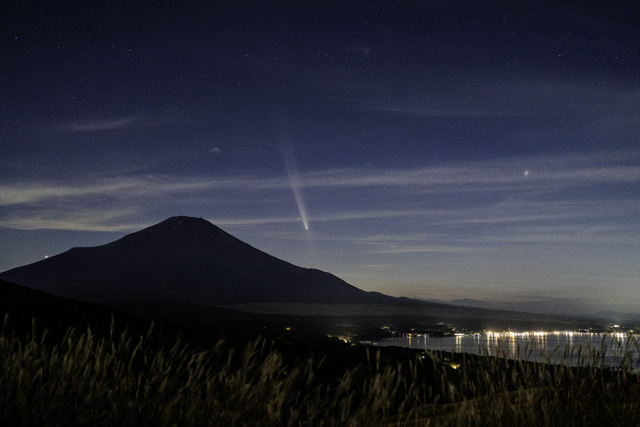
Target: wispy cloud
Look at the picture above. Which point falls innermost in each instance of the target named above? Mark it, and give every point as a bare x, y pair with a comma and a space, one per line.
147, 186
542, 174
441, 112
99, 124
253, 221
541, 171
459, 196
25, 193
405, 249
417, 107
86, 219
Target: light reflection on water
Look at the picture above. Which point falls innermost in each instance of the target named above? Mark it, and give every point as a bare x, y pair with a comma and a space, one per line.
571, 348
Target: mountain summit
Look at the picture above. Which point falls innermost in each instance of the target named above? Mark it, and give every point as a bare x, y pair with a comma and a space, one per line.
183, 259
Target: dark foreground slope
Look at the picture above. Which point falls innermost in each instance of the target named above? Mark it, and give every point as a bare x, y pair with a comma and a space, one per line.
187, 260
23, 307
128, 379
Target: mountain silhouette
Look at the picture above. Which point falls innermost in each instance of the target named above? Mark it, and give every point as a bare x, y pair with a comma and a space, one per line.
183, 259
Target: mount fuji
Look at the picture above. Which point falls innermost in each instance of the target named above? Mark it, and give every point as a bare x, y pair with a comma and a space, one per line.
183, 259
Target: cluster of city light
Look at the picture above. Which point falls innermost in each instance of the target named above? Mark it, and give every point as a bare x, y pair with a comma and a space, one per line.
527, 334
517, 334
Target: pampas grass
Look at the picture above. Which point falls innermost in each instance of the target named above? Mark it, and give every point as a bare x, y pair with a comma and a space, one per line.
128, 380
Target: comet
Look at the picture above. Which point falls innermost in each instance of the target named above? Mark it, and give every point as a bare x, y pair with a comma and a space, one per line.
286, 149
295, 182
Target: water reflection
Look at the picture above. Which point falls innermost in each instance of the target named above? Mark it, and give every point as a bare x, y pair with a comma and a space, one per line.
572, 348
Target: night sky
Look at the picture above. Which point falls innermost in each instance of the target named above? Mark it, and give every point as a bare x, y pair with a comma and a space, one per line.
437, 149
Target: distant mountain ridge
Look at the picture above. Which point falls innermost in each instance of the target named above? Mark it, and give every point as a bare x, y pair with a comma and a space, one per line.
548, 306
188, 260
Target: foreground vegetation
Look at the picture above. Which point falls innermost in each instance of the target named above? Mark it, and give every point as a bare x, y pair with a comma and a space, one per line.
128, 380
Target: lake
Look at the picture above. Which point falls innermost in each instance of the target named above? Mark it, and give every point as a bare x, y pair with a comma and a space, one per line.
571, 348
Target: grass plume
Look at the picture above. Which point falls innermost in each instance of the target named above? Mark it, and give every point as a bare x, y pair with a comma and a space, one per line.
129, 380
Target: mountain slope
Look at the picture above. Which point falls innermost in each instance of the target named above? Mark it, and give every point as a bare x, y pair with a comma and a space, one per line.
183, 259
55, 314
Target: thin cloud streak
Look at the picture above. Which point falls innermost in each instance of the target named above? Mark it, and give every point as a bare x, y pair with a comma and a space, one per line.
458, 201
253, 221
114, 220
124, 187
406, 249
543, 174
441, 112
99, 125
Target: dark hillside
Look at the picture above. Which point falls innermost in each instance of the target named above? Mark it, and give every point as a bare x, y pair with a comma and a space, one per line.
23, 306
